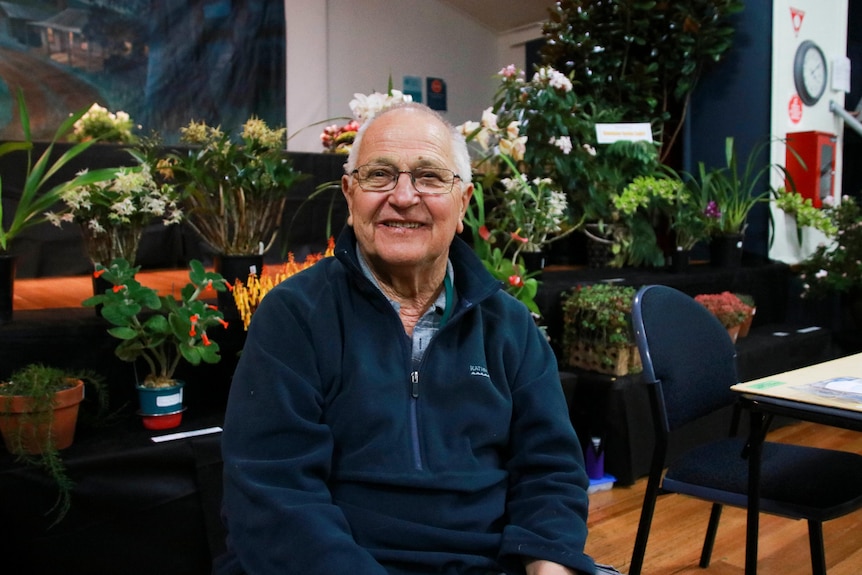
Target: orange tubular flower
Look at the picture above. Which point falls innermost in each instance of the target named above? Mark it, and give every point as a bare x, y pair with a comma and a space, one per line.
223, 323
117, 289
205, 339
98, 273
484, 233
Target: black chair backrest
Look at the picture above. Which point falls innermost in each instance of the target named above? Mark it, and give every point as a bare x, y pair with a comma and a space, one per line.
686, 353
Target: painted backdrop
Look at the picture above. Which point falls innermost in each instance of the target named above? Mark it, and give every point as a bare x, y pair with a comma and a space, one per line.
165, 62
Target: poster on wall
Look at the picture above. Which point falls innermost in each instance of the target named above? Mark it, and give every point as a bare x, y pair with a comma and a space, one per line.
164, 62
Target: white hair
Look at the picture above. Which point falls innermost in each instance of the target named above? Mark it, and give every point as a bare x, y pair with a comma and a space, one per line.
460, 153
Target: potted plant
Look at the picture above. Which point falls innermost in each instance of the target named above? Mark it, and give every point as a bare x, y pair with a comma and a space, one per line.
597, 332
38, 413
39, 193
248, 295
728, 308
113, 213
834, 269
233, 193
650, 201
730, 195
162, 331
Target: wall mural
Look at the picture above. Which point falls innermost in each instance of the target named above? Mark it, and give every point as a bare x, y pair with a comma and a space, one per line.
165, 62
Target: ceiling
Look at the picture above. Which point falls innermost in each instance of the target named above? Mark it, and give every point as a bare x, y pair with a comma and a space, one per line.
504, 15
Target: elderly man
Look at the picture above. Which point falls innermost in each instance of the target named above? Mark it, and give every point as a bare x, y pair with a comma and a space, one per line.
394, 411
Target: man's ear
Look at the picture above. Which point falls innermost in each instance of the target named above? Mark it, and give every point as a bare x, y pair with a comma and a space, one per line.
348, 195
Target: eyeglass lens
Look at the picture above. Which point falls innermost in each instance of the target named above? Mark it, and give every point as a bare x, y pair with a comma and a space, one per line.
383, 178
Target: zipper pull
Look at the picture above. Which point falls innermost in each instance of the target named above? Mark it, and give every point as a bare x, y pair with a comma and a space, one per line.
414, 384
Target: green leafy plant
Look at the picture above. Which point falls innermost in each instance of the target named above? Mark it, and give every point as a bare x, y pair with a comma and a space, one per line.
32, 440
233, 192
39, 193
803, 211
598, 316
643, 59
510, 271
836, 267
649, 199
730, 193
113, 213
161, 330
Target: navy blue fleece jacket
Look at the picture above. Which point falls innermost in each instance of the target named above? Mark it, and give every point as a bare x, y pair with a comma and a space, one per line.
340, 457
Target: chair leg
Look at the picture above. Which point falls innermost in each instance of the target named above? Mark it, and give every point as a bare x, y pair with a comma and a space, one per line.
650, 496
711, 530
815, 540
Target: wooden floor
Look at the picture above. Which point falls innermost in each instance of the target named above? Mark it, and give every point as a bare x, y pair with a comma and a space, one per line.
679, 522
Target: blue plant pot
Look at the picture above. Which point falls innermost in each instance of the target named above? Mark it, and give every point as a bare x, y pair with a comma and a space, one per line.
160, 401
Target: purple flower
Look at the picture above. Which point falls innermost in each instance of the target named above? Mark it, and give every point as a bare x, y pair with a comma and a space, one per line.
712, 210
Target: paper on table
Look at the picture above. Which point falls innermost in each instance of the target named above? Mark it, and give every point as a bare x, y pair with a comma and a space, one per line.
837, 387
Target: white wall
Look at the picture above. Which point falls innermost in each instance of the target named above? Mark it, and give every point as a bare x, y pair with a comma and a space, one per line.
340, 47
825, 22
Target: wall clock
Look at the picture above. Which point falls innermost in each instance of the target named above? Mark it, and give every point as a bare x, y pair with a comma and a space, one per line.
809, 72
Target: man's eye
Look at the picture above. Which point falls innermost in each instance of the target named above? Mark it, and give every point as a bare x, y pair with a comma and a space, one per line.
428, 176
379, 173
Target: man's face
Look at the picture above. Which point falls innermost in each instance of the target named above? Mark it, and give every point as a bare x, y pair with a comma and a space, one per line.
401, 228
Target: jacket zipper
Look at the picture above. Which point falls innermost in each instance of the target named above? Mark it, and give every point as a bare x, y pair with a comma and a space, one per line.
414, 420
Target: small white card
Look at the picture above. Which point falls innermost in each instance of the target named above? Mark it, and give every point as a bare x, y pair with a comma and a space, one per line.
185, 434
635, 132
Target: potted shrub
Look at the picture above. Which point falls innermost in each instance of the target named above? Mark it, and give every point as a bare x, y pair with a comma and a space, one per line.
728, 308
37, 195
651, 201
38, 413
162, 331
233, 193
597, 332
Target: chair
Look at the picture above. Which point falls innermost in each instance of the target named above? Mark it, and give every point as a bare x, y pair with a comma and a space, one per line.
689, 363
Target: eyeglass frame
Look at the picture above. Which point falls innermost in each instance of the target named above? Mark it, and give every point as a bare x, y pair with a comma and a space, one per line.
410, 173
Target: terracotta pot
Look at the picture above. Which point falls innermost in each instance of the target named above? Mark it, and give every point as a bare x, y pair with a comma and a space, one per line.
17, 409
746, 325
733, 332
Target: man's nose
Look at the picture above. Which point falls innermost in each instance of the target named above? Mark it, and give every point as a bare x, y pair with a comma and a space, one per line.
404, 189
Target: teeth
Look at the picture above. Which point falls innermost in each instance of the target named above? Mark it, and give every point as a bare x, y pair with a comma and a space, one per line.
402, 225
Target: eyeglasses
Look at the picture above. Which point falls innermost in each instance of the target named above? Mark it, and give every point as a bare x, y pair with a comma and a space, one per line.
426, 181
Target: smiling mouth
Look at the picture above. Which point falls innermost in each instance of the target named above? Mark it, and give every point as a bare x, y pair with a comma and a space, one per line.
408, 225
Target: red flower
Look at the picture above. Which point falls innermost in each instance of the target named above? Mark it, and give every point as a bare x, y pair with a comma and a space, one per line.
518, 238
205, 339
223, 323
516, 281
484, 233
98, 273
117, 289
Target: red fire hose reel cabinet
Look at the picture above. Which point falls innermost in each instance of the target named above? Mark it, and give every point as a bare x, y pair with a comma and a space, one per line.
816, 179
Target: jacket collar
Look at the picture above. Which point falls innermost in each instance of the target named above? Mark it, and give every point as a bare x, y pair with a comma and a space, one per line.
473, 283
